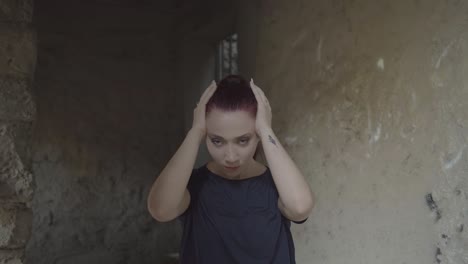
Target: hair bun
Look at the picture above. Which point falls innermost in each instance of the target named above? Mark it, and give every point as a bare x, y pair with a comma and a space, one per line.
233, 93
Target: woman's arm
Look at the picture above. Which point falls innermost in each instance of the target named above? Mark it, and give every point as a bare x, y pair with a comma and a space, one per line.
168, 197
296, 198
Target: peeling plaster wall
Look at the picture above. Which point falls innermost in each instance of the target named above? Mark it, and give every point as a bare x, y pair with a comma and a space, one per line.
17, 116
108, 120
370, 98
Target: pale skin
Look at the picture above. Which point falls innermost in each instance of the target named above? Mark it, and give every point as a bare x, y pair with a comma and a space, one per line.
231, 139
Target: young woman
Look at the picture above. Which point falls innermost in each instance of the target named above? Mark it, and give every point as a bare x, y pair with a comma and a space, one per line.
234, 209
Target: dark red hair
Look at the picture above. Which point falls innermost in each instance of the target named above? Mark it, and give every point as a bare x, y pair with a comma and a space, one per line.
233, 93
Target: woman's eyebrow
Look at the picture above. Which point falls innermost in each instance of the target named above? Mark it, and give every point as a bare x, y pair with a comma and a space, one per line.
214, 135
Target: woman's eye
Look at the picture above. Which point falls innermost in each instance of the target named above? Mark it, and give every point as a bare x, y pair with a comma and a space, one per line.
216, 142
244, 141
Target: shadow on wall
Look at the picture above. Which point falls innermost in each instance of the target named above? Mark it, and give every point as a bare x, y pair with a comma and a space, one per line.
110, 116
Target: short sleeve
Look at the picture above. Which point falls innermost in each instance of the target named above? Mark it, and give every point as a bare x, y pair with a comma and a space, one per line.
300, 222
193, 187
292, 221
194, 183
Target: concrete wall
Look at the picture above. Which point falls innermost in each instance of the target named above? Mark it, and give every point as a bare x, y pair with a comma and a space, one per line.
17, 115
108, 121
370, 98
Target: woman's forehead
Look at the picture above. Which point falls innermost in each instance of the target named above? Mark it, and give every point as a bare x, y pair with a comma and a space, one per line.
230, 137
229, 124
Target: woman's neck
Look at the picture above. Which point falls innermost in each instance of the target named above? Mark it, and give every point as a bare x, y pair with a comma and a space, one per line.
254, 168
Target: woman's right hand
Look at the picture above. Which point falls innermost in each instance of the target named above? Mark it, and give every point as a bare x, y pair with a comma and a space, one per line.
199, 122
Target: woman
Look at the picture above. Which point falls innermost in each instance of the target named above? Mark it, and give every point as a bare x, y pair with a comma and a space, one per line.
234, 209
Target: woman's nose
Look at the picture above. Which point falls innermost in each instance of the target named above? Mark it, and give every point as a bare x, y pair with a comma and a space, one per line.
230, 154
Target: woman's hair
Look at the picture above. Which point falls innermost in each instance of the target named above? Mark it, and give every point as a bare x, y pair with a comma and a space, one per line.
233, 93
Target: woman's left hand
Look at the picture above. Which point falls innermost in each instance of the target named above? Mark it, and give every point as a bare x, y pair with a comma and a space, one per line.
263, 120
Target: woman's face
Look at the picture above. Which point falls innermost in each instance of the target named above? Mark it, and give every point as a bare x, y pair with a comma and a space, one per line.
231, 140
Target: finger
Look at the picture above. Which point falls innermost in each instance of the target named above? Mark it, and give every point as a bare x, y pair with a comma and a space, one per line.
208, 93
261, 92
202, 97
267, 103
260, 95
264, 98
255, 91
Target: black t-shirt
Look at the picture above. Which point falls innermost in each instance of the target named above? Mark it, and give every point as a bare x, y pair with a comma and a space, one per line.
234, 221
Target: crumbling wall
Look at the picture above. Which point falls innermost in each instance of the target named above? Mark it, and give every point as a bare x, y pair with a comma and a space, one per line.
17, 114
370, 98
107, 122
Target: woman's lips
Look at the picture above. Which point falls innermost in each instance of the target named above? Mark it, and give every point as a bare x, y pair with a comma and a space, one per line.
231, 168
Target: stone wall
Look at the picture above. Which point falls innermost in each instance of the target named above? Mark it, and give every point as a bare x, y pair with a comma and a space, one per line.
370, 98
17, 114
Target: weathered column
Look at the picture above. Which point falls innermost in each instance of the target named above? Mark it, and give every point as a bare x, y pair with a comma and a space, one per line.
17, 113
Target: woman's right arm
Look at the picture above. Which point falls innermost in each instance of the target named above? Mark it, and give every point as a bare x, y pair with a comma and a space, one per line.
169, 197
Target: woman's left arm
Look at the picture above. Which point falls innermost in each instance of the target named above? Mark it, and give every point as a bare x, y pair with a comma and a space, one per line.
295, 196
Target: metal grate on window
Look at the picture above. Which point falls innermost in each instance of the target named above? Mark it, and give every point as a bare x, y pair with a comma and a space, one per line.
227, 57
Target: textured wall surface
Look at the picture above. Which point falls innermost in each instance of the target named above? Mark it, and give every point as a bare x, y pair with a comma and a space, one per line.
107, 122
17, 114
370, 98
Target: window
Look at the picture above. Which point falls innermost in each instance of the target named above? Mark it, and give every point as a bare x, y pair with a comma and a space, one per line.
227, 57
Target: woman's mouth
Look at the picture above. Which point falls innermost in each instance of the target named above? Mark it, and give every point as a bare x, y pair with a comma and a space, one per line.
231, 168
